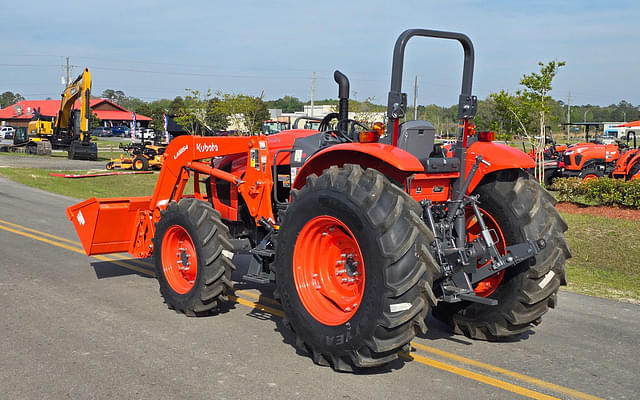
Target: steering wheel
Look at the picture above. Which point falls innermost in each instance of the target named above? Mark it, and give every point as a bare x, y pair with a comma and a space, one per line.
324, 124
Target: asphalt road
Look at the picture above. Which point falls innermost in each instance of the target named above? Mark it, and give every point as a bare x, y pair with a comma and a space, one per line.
83, 327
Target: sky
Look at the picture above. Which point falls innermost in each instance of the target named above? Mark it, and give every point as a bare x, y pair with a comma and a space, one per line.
157, 49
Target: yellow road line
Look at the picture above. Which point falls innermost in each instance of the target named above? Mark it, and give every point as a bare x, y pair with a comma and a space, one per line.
77, 250
24, 228
421, 359
516, 375
258, 297
478, 377
128, 257
257, 306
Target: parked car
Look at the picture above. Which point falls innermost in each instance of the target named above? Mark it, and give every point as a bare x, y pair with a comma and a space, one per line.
121, 131
145, 134
101, 131
6, 132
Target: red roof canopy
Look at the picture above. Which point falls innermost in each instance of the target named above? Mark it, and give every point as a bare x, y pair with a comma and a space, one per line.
629, 124
49, 108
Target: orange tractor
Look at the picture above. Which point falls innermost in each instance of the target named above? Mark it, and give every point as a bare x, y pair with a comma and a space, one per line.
628, 165
593, 160
361, 233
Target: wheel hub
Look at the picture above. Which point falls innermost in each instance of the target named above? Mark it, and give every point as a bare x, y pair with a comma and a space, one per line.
178, 259
328, 270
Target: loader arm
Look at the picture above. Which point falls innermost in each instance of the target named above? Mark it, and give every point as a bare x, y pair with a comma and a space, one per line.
128, 224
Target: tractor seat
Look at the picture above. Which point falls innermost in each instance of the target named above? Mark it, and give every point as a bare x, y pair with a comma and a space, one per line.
418, 138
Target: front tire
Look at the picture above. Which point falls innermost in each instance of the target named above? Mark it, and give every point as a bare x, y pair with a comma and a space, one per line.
522, 211
353, 268
590, 173
192, 257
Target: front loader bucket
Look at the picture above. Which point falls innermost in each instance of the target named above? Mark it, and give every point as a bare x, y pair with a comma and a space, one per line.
107, 225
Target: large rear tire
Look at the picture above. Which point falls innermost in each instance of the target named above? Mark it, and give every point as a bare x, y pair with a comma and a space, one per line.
522, 211
192, 257
354, 268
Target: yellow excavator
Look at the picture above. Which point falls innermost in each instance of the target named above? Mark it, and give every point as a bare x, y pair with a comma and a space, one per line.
70, 129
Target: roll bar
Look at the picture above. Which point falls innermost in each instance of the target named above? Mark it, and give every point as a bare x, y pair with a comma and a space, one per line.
397, 103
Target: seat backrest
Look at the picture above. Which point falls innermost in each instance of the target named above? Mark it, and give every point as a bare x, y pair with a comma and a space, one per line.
417, 138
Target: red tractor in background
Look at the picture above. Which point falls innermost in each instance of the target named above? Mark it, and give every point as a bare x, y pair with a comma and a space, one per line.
593, 160
590, 160
361, 232
628, 165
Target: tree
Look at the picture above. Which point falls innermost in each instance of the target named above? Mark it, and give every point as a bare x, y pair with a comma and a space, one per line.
247, 112
530, 107
8, 98
116, 96
536, 96
94, 121
287, 104
200, 113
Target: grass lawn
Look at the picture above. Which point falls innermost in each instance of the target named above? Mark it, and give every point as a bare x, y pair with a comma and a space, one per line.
606, 255
606, 251
84, 188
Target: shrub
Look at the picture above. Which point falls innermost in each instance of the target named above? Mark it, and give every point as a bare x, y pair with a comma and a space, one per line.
602, 191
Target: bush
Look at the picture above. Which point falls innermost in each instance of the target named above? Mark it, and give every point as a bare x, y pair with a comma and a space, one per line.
602, 191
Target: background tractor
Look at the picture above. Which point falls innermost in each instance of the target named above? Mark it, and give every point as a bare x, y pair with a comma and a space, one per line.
628, 165
362, 231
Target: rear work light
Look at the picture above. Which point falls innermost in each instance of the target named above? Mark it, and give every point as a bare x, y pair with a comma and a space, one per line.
486, 136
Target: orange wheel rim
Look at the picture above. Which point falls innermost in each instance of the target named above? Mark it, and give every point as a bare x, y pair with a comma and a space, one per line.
179, 261
138, 164
590, 177
487, 286
328, 270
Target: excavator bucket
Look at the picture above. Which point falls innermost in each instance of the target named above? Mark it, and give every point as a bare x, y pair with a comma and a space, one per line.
107, 225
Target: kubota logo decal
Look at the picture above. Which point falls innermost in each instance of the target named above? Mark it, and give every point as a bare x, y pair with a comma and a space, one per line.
206, 147
182, 150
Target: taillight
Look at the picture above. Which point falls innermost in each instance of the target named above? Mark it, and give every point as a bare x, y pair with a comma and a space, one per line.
486, 136
378, 127
369, 137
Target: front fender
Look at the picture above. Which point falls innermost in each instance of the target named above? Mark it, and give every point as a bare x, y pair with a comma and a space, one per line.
391, 161
499, 155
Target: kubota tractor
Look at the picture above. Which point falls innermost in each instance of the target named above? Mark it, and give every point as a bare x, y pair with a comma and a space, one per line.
590, 160
361, 233
628, 165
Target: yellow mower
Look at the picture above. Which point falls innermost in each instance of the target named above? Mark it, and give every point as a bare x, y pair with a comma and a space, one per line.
141, 157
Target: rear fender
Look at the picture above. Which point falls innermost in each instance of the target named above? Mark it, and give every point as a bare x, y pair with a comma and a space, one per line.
500, 156
391, 161
632, 162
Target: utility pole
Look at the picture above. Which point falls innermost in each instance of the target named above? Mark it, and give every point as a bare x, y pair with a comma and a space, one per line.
68, 73
415, 99
568, 115
313, 91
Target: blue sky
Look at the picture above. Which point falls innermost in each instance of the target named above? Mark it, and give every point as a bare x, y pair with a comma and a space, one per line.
156, 49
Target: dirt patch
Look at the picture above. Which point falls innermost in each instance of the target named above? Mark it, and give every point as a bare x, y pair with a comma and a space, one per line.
602, 211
